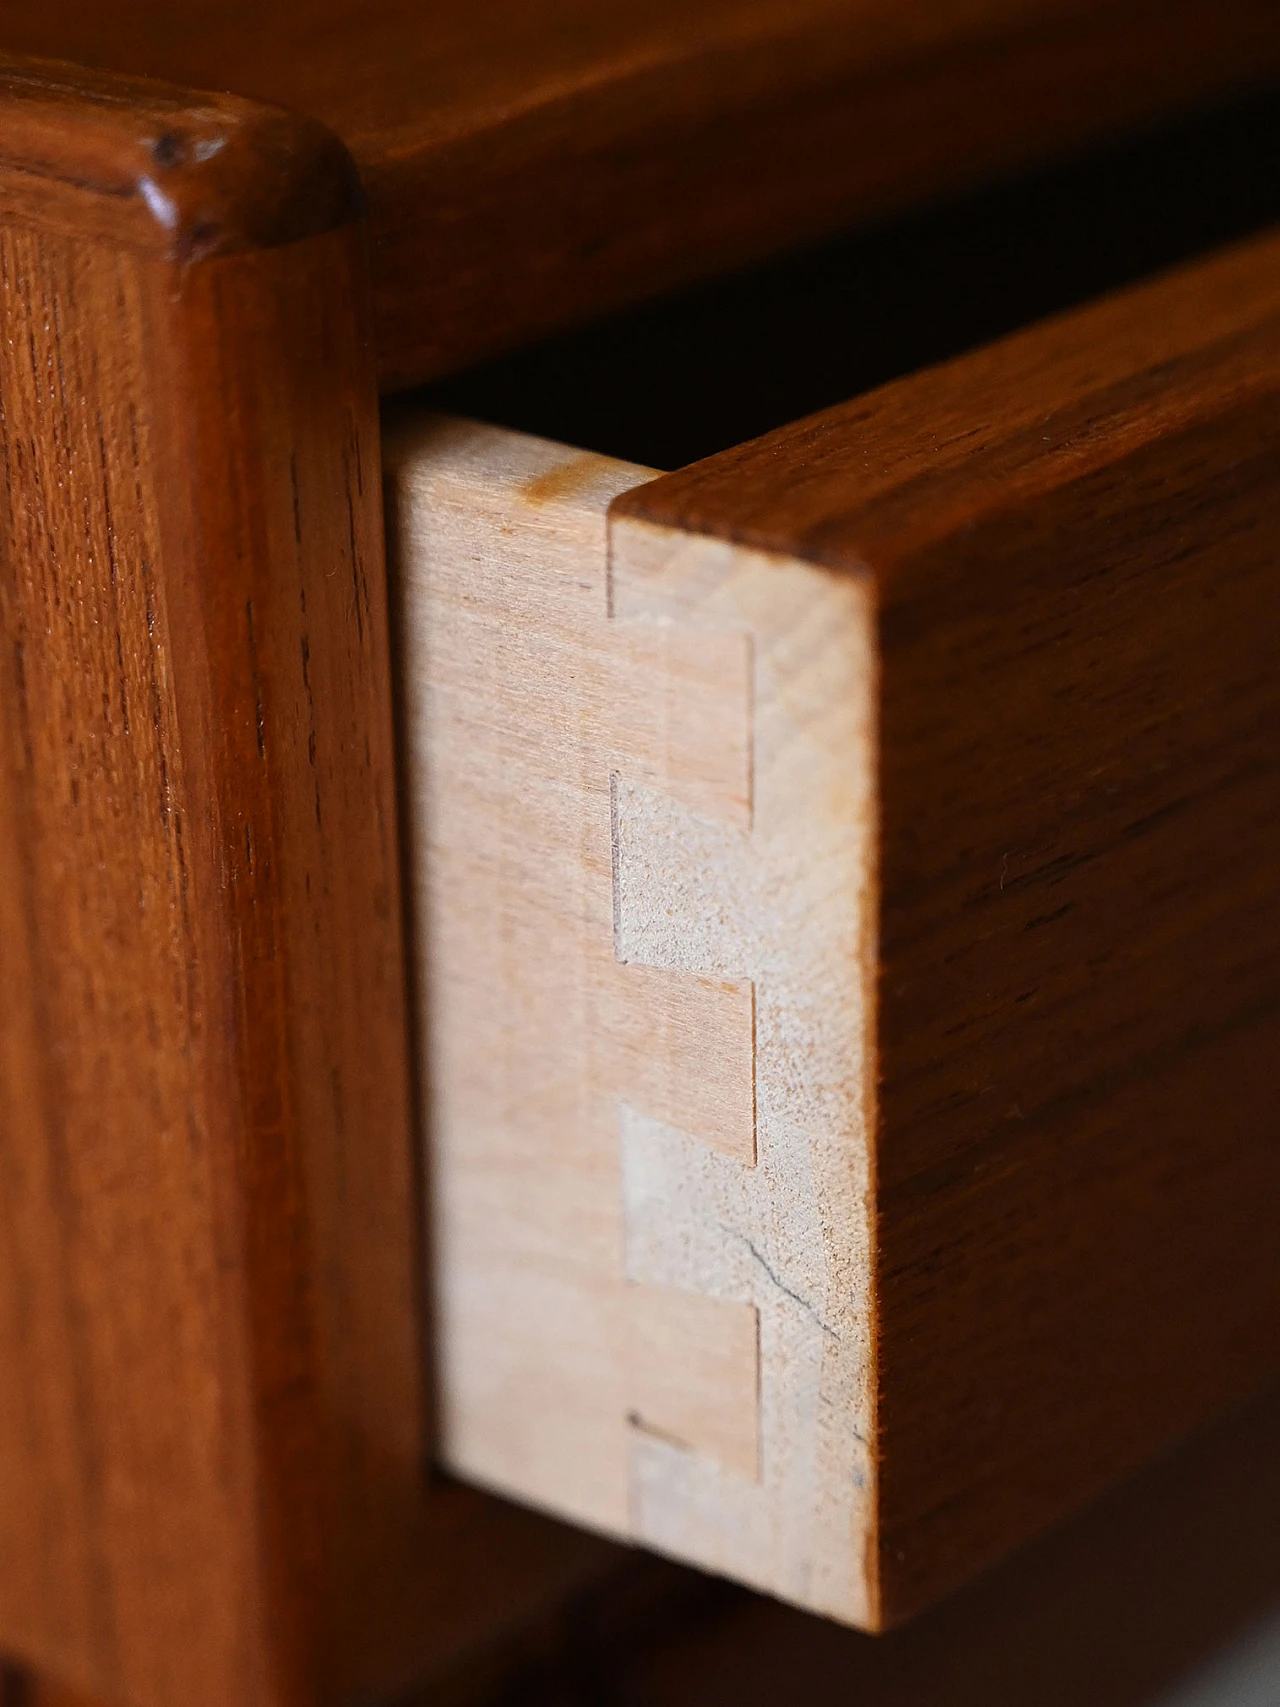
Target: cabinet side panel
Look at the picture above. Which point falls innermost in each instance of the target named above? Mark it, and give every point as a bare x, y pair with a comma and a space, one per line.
211, 1417
128, 1470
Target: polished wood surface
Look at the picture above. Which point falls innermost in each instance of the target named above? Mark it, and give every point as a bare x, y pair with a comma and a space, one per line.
1071, 541
211, 1420
187, 176
529, 166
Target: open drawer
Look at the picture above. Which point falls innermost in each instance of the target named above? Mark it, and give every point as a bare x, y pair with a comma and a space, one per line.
847, 945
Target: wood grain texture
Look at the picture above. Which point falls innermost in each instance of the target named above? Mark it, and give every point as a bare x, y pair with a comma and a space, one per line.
530, 166
186, 175
211, 1419
647, 1147
1071, 541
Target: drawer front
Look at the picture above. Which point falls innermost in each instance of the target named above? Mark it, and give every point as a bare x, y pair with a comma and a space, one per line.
850, 977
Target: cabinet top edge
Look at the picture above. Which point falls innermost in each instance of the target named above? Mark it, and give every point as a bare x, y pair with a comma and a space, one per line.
530, 167
150, 165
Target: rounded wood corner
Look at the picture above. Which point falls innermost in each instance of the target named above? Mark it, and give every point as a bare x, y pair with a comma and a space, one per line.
149, 165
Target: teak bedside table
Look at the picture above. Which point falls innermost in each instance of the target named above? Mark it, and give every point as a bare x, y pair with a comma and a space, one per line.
835, 880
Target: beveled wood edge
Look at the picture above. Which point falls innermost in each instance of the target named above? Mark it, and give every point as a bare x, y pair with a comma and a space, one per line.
851, 487
186, 174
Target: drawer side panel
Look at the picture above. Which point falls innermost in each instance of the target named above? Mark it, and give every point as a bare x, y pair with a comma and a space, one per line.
642, 831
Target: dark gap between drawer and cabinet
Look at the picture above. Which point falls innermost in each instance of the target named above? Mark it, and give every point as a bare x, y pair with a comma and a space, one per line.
692, 375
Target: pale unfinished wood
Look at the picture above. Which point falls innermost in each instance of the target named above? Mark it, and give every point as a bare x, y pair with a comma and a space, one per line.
642, 846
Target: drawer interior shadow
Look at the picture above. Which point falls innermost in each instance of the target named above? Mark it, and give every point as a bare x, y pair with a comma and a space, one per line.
687, 377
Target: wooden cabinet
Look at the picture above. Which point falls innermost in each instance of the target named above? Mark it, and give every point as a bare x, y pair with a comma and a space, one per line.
838, 1051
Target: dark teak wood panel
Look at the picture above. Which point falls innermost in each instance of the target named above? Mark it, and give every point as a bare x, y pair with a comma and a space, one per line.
211, 1420
528, 166
1072, 539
